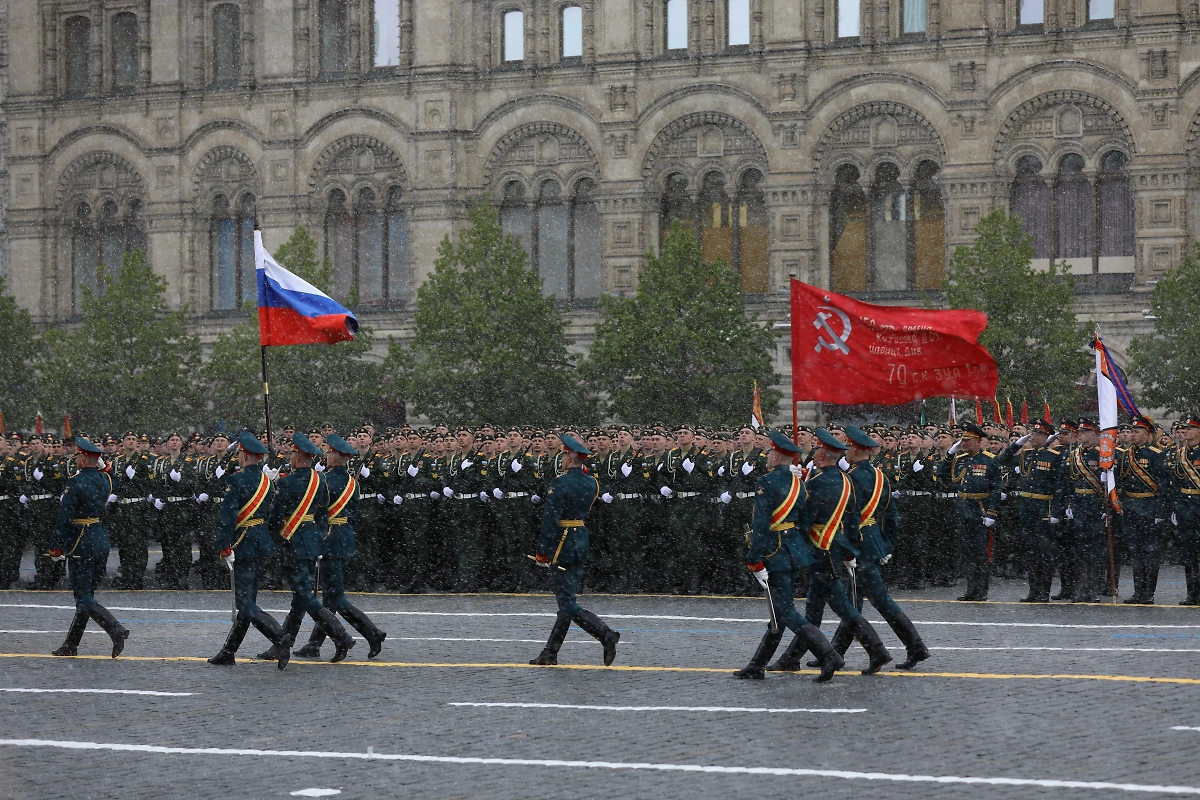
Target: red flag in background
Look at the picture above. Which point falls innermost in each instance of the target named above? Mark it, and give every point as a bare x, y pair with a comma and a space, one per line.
2, 430
37, 425
1008, 413
66, 426
978, 412
1046, 415
847, 352
996, 410
1024, 412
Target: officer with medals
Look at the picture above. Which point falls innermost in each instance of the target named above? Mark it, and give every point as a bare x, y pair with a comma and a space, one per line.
242, 540
833, 538
777, 548
1042, 470
1186, 515
298, 518
339, 542
562, 547
79, 538
1086, 504
1143, 478
974, 474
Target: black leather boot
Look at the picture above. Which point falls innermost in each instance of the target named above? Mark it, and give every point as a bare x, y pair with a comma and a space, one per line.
595, 627
114, 629
237, 633
313, 648
361, 623
1034, 576
342, 640
549, 655
766, 649
829, 658
70, 645
972, 592
874, 645
790, 660
291, 626
913, 644
1151, 583
1139, 585
842, 637
983, 576
1193, 587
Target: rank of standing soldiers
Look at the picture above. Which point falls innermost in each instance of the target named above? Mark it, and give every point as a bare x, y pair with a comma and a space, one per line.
458, 508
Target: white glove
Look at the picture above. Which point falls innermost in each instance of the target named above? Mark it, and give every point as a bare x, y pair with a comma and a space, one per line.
988, 522
272, 474
1004, 495
219, 472
844, 464
885, 559
396, 499
379, 499
484, 497
149, 498
158, 505
496, 493
412, 470
112, 498
659, 467
203, 498
954, 448
466, 464
747, 468
434, 496
1050, 441
363, 471
516, 465
319, 467
447, 491
1024, 440
606, 497
37, 473
1158, 521
176, 475
896, 495
688, 466
761, 577
809, 465
666, 491
626, 470
24, 500
1174, 520
58, 558
1056, 520
130, 472
721, 470
918, 466
1070, 514
852, 563
100, 464
726, 498
229, 559
535, 499
1016, 470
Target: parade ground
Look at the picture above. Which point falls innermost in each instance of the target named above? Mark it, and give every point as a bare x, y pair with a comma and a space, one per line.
1019, 700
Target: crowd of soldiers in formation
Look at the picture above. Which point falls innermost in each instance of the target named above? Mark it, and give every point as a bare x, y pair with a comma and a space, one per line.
458, 508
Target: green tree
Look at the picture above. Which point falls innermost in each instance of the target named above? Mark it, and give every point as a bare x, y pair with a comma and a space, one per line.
130, 363
310, 384
18, 352
1167, 362
683, 349
488, 347
1032, 332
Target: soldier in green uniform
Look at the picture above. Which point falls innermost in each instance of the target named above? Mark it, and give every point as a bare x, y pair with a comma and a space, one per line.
11, 539
416, 490
624, 478
1186, 514
777, 547
173, 478
914, 480
80, 538
1086, 504
339, 542
212, 473
562, 547
684, 486
375, 542
515, 484
1064, 533
974, 473
298, 518
943, 544
1042, 469
1144, 481
133, 470
42, 484
466, 518
738, 475
243, 541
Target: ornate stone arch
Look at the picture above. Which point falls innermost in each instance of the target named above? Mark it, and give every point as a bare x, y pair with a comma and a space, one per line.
871, 129
96, 174
225, 168
356, 158
705, 136
539, 146
1066, 115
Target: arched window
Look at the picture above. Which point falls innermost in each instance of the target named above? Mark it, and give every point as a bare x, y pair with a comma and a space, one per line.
85, 252
99, 245
339, 242
514, 36
1115, 203
232, 246
571, 30
1073, 209
1033, 12
368, 247
716, 223
849, 19
889, 231
399, 280
1031, 203
676, 12
848, 231
750, 233
124, 51
586, 278
929, 228
369, 244
739, 23
913, 16
334, 38
227, 44
1100, 10
516, 219
550, 241
385, 29
79, 55
676, 205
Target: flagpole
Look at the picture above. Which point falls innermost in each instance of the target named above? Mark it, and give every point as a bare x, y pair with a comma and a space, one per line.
267, 401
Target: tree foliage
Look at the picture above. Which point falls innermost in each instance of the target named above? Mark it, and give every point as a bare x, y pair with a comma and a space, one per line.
682, 349
130, 363
310, 384
1167, 362
487, 345
1032, 332
18, 351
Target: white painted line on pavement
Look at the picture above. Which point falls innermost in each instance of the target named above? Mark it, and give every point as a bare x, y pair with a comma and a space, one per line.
669, 708
1184, 728
102, 691
315, 792
1043, 783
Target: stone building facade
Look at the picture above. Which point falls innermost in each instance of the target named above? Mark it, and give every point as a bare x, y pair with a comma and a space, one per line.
848, 143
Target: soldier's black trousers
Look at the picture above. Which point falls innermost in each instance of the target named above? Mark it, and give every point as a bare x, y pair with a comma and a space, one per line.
825, 587
245, 587
300, 579
84, 575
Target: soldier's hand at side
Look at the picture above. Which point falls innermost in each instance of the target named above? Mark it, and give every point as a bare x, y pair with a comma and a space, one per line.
1054, 520
396, 499
896, 495
129, 472
666, 491
434, 496
1158, 521
1174, 519
1004, 495
24, 500
606, 497
484, 497
496, 493
379, 499
988, 522
56, 554
535, 499
203, 498
726, 498
158, 504
1070, 514
885, 559
112, 498
447, 492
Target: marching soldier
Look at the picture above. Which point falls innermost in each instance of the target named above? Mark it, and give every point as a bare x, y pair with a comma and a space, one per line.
1086, 504
339, 541
974, 474
1144, 479
1042, 472
1187, 505
562, 547
80, 538
243, 541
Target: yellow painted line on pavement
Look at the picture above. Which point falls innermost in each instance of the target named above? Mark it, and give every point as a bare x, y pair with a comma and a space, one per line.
1003, 676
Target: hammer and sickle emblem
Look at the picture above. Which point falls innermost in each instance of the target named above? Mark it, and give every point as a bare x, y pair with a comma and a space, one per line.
835, 341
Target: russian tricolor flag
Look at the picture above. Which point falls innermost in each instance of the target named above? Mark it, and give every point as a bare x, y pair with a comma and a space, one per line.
293, 311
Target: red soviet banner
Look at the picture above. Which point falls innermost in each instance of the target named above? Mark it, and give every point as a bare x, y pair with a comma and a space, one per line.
848, 352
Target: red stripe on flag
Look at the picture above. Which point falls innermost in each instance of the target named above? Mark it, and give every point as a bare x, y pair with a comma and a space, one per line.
284, 326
